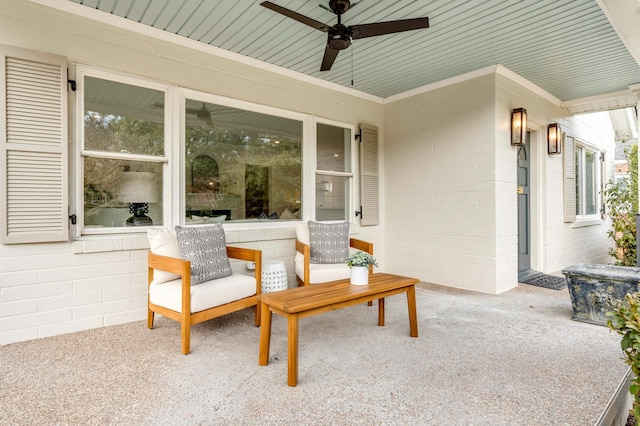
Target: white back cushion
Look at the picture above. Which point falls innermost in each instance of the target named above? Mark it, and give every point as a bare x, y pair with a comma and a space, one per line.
164, 243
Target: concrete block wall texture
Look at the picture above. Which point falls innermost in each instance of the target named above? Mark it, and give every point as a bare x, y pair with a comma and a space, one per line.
57, 288
440, 185
451, 186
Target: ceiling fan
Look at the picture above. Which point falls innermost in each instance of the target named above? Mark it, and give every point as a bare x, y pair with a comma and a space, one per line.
201, 114
340, 35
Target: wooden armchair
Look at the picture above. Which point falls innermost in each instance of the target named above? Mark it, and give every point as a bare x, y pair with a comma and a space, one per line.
316, 273
179, 300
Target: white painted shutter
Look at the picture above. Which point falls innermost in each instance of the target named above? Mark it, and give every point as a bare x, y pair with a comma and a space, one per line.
33, 147
569, 180
369, 176
603, 180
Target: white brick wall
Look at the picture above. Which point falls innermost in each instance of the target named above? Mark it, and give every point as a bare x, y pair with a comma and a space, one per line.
451, 183
440, 186
55, 288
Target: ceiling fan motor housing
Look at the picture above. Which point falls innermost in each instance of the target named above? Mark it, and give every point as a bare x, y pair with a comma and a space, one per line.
339, 37
339, 6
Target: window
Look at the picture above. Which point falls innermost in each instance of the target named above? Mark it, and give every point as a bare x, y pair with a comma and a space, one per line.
586, 182
123, 152
241, 165
334, 175
152, 154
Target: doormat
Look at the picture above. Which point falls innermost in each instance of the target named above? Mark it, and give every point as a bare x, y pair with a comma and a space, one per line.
546, 281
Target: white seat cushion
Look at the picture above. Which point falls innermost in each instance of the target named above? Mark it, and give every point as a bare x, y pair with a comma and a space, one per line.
322, 273
206, 295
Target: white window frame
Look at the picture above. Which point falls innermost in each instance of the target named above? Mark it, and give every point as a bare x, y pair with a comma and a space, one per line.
173, 199
353, 176
581, 146
85, 71
307, 123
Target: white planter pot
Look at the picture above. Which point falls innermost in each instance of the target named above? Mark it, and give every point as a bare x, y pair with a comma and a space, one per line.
359, 275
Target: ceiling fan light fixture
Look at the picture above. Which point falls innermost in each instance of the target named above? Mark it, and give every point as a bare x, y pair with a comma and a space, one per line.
339, 41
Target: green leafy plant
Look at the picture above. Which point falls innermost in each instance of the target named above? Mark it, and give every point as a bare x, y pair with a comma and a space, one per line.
621, 199
625, 320
360, 258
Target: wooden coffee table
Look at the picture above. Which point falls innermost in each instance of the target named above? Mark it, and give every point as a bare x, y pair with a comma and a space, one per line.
302, 302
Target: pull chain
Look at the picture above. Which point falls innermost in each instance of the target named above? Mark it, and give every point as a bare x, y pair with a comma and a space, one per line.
352, 64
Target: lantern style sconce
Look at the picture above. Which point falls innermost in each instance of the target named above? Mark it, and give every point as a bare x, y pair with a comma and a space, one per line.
518, 126
554, 138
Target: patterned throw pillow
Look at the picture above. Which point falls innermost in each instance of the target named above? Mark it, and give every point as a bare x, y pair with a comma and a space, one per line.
206, 248
328, 242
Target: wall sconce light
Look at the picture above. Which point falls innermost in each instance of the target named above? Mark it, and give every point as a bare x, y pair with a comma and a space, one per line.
554, 138
518, 126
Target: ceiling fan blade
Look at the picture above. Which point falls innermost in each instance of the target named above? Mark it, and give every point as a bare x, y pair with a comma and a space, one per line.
295, 15
328, 58
389, 27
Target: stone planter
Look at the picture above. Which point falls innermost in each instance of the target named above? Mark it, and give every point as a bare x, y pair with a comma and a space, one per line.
596, 289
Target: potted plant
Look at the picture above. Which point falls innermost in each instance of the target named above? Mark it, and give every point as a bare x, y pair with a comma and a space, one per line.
360, 262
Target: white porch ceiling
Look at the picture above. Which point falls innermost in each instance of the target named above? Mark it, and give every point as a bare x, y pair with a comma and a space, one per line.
566, 47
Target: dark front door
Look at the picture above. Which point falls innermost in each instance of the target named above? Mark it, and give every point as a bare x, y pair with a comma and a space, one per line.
524, 211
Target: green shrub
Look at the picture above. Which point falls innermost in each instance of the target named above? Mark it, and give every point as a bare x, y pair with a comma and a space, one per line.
621, 199
625, 320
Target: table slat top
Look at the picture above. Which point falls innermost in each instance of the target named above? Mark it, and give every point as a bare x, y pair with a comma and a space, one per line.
301, 299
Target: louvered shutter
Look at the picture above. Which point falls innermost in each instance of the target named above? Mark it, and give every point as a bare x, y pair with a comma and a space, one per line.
33, 147
603, 180
369, 176
569, 180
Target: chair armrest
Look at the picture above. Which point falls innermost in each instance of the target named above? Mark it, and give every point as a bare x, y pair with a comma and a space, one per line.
169, 264
361, 245
174, 265
250, 255
302, 247
306, 252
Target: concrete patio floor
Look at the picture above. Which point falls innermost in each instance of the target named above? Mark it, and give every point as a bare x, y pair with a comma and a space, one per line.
510, 359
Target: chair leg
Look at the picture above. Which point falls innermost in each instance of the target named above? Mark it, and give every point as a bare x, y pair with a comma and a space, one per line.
258, 317
186, 337
150, 317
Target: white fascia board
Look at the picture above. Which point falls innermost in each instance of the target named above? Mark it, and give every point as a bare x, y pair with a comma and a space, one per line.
492, 69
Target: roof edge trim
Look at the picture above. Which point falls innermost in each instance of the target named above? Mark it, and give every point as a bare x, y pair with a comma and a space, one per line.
492, 69
604, 102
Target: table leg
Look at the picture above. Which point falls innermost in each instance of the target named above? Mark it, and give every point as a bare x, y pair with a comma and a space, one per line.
265, 334
381, 312
293, 349
413, 316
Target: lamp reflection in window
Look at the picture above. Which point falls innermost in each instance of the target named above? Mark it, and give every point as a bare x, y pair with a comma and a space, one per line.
139, 189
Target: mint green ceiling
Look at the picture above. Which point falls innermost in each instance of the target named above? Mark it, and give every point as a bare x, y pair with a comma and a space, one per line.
567, 47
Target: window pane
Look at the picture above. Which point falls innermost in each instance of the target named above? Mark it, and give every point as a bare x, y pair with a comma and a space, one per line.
590, 182
118, 190
334, 148
241, 165
332, 197
123, 118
